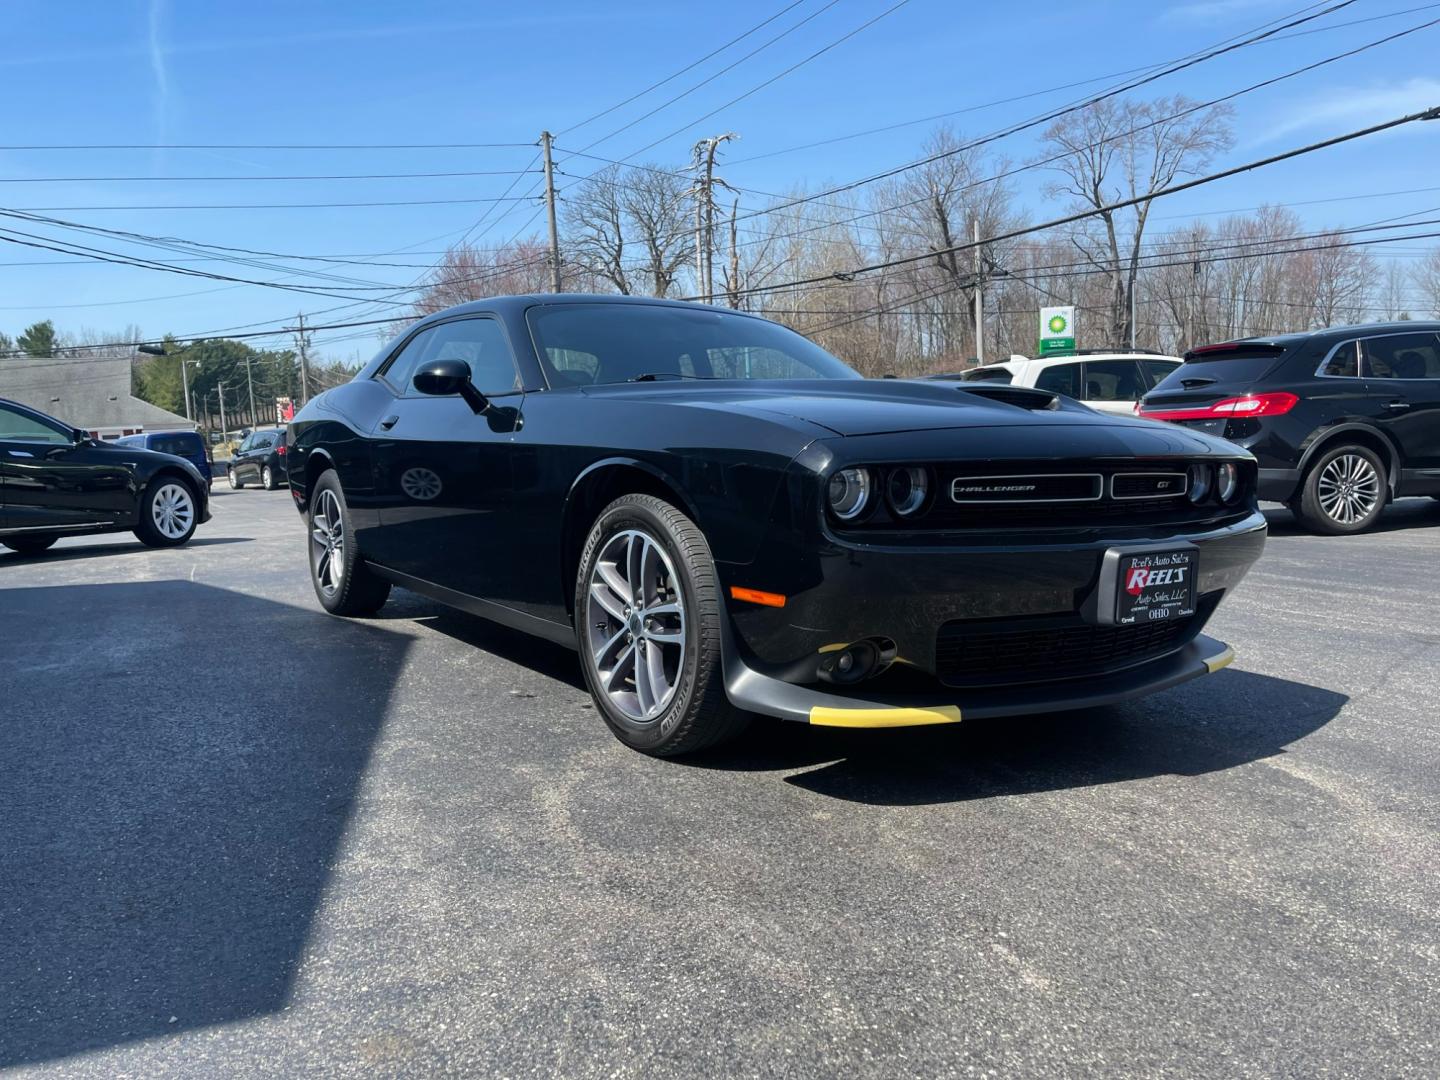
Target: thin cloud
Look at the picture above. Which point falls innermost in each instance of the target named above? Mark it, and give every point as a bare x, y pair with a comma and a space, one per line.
1352, 107
161, 105
1211, 11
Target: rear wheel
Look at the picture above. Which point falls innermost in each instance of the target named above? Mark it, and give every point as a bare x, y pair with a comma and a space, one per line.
235, 481
343, 583
1344, 491
267, 479
168, 514
29, 545
647, 616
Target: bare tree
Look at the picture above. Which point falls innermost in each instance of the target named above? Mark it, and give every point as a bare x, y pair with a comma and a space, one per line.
468, 273
595, 223
654, 201
1427, 280
1116, 150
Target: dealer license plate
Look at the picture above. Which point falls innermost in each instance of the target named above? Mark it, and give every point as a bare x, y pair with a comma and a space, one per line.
1154, 586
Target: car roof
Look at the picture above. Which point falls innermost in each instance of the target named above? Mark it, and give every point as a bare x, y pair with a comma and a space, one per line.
1398, 326
518, 303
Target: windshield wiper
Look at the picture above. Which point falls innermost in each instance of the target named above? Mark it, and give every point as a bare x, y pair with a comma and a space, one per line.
651, 376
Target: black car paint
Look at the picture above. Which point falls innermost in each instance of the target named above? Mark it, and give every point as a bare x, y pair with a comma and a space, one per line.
516, 488
248, 464
1400, 418
83, 486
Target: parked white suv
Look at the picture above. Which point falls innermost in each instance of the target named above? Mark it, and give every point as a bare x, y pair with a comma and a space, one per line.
1111, 382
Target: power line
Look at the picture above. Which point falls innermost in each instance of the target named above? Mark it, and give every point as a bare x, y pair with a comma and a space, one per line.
1173, 189
688, 67
270, 206
268, 146
250, 178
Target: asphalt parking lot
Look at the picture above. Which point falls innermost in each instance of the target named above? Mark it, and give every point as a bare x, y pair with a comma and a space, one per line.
240, 836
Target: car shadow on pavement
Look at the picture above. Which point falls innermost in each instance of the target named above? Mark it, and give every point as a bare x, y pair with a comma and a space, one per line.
1227, 720
95, 551
541, 656
1403, 514
168, 824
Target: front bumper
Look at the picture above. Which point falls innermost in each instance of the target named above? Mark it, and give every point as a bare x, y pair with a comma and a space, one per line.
753, 692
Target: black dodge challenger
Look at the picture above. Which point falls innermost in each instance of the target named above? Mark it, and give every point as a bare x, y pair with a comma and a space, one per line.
724, 519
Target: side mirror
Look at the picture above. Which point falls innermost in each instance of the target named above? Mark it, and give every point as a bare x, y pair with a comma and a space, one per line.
79, 436
444, 378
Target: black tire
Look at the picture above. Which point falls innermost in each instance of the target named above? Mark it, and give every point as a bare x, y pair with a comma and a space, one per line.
30, 545
267, 478
1316, 503
149, 530
235, 482
698, 714
356, 590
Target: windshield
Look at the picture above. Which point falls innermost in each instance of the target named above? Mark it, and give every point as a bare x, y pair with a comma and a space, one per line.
588, 344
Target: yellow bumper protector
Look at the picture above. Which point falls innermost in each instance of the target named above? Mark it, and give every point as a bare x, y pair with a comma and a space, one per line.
822, 716
1219, 660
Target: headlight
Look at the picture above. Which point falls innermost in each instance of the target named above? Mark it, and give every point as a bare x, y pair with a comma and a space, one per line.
1228, 484
849, 493
907, 488
1202, 479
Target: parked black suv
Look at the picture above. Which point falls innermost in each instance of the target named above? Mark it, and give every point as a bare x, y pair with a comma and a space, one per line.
1341, 420
260, 460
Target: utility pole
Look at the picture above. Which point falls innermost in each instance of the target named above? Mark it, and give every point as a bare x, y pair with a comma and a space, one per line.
304, 359
735, 261
550, 211
221, 388
704, 190
250, 382
1134, 289
979, 294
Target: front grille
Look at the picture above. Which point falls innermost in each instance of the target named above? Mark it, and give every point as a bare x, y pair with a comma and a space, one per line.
1046, 648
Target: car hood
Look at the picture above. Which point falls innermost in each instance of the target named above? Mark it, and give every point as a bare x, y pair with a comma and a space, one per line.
864, 406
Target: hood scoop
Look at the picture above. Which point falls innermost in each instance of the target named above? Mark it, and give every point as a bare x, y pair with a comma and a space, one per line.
1020, 396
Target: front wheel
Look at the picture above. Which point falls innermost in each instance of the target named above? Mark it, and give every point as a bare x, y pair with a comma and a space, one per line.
1344, 491
167, 513
343, 583
647, 615
30, 545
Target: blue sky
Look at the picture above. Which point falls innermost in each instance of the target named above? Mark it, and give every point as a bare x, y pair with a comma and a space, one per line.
171, 71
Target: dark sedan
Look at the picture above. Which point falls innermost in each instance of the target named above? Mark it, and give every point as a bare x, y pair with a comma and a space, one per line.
260, 459
725, 519
56, 481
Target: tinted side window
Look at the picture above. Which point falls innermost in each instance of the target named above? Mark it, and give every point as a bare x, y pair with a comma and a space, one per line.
1060, 379
17, 427
179, 445
1158, 369
1403, 356
1112, 380
1344, 362
479, 342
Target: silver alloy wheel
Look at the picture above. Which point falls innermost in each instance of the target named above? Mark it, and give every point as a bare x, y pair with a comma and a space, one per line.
327, 543
635, 625
1348, 489
267, 478
173, 510
230, 475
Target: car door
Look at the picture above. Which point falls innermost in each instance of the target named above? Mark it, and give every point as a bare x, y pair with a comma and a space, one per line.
1402, 375
237, 459
443, 474
50, 480
1113, 386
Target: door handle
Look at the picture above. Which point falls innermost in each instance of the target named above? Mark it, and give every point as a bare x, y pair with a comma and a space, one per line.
388, 422
1397, 405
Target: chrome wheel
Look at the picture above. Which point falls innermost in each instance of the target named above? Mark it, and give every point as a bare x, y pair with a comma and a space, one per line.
327, 543
1349, 489
230, 475
635, 625
173, 511
267, 478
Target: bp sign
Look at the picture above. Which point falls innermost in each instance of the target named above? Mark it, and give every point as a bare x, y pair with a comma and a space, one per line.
1057, 330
